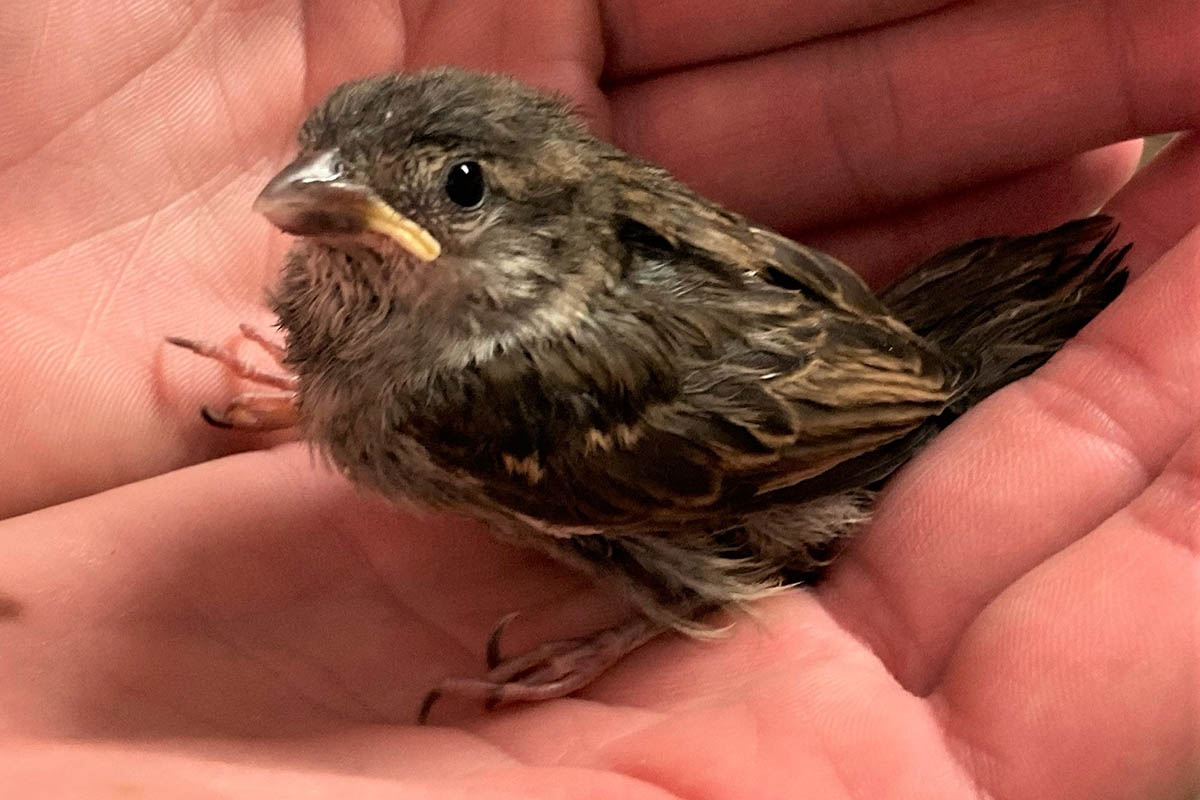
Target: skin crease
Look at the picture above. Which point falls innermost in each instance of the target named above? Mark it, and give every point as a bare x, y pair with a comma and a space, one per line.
249, 622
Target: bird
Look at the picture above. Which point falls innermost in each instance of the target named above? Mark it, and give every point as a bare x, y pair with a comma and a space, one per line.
489, 310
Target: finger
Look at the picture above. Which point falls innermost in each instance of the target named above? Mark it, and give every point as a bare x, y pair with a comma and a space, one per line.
161, 584
556, 46
850, 126
114, 402
1090, 661
1026, 473
139, 136
281, 597
340, 43
139, 115
223, 771
665, 34
1159, 206
161, 49
45, 89
1034, 200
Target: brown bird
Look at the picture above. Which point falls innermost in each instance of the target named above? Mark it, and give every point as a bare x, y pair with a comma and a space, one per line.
488, 310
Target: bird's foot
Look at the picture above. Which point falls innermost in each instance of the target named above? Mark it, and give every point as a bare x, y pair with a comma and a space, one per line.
554, 669
253, 411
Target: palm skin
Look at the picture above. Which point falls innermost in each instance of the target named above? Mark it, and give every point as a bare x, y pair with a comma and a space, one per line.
1020, 620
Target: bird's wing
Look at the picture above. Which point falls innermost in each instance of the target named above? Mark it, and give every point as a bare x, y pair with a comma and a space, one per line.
821, 393
738, 436
821, 404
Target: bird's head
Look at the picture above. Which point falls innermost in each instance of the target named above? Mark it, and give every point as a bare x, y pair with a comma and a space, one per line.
450, 193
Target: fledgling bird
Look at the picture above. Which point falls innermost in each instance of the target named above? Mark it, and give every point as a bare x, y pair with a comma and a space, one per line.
489, 310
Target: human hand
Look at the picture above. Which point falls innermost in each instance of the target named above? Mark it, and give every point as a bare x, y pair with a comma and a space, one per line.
1007, 624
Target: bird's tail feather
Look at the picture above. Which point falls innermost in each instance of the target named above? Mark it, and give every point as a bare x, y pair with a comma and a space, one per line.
1011, 302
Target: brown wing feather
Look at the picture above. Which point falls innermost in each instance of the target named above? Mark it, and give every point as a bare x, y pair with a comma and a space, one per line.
784, 406
653, 199
813, 378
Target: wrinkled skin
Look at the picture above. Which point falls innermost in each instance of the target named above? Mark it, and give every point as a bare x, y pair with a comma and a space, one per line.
1020, 621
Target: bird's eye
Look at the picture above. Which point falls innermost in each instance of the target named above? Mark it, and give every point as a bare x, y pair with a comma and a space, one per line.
464, 184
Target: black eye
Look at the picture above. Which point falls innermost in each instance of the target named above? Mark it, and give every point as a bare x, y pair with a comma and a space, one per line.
464, 184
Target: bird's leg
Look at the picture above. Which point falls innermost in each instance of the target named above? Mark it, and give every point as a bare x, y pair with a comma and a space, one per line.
554, 669
252, 411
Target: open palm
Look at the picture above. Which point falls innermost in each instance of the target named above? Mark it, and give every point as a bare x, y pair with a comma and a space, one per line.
1020, 621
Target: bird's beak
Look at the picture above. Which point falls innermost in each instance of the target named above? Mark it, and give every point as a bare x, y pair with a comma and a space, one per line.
312, 197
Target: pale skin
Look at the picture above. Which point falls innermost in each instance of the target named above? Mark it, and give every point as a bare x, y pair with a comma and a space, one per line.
186, 617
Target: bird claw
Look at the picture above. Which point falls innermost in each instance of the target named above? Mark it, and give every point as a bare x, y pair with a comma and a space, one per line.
493, 645
217, 420
253, 411
548, 671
